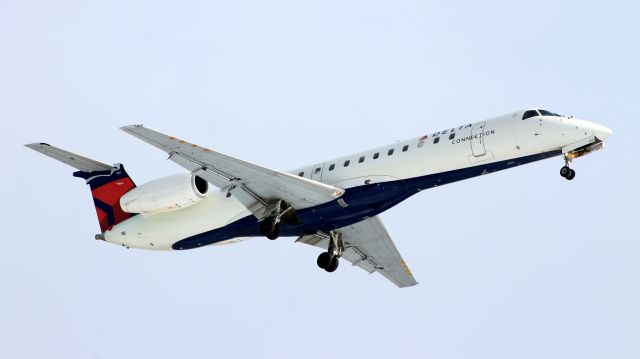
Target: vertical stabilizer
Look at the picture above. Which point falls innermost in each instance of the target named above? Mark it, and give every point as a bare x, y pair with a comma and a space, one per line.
106, 188
107, 183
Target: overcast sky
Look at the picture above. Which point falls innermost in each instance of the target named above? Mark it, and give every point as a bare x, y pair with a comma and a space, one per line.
518, 264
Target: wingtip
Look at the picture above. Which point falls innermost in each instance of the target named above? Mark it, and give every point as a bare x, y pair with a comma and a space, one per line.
130, 127
37, 145
408, 285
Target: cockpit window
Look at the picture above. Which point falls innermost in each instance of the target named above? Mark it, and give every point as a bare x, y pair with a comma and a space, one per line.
530, 113
548, 113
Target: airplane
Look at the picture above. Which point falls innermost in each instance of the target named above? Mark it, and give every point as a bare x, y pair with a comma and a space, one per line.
333, 205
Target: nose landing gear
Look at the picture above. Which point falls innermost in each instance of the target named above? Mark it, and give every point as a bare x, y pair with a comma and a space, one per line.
565, 171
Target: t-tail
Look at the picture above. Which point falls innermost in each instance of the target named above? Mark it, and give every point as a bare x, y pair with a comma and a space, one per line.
107, 183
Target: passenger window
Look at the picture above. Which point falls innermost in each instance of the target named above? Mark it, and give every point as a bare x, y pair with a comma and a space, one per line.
452, 136
332, 167
405, 148
436, 140
361, 159
301, 174
390, 152
346, 163
530, 113
317, 170
420, 144
376, 155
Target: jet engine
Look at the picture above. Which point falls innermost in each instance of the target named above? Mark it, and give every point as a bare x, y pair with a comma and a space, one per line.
165, 194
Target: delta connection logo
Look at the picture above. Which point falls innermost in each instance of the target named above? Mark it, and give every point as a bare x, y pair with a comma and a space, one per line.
473, 136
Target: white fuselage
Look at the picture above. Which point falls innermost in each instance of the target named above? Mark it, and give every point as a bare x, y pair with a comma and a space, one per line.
464, 146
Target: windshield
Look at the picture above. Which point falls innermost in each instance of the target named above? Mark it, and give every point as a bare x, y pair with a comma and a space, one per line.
548, 113
530, 113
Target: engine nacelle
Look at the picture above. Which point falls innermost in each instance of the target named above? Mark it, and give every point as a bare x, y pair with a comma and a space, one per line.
165, 194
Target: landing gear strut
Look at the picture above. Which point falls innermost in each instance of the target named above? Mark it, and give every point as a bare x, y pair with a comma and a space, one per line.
565, 171
280, 211
329, 260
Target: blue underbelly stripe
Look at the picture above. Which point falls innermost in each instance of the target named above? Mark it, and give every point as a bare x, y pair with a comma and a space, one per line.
363, 201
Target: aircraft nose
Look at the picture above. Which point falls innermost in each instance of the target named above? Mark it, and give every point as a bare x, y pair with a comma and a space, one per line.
601, 132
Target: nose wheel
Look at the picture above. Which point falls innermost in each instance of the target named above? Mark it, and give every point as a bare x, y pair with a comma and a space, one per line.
567, 173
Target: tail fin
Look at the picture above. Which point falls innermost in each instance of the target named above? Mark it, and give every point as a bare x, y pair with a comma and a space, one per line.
106, 188
107, 183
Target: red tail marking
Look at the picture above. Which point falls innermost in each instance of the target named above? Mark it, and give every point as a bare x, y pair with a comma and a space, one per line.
110, 194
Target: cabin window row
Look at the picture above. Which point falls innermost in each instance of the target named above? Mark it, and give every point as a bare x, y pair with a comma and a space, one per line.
376, 155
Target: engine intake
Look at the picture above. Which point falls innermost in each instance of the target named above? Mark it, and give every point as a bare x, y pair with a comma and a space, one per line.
165, 194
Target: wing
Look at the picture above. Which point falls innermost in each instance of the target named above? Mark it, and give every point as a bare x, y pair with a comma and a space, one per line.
254, 186
369, 246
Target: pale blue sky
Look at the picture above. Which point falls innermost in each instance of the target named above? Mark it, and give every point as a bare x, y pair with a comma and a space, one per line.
519, 264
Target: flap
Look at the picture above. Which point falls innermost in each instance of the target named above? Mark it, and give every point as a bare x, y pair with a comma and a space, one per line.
369, 246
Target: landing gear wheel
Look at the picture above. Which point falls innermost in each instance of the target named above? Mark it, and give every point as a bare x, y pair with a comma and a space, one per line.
571, 175
275, 231
324, 259
333, 264
270, 228
565, 171
330, 259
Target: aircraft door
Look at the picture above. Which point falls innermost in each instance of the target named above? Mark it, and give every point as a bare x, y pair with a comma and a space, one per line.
316, 173
477, 140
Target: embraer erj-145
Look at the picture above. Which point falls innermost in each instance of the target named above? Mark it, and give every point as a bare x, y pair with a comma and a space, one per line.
334, 205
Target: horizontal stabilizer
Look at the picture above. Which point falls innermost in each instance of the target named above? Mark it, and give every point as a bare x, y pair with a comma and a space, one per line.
76, 161
107, 183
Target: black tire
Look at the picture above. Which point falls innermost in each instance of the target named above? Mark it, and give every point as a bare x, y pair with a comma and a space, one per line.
323, 260
565, 171
275, 232
333, 265
571, 175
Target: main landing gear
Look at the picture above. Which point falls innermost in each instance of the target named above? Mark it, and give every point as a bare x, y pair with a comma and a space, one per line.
329, 260
565, 171
280, 211
270, 227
